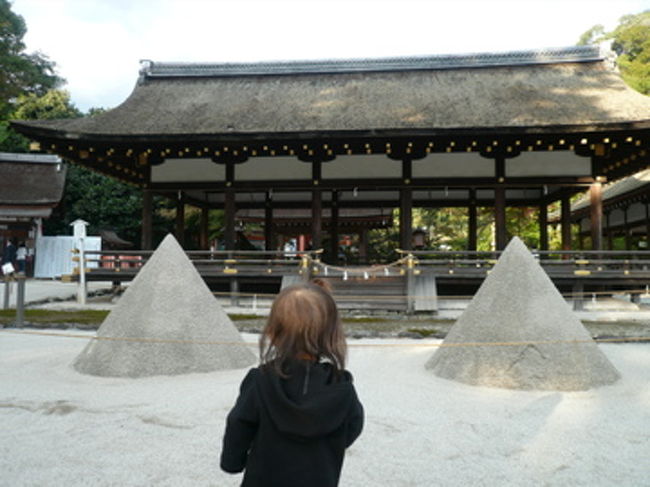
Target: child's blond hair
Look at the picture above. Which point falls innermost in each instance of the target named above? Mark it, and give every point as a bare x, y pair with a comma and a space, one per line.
304, 323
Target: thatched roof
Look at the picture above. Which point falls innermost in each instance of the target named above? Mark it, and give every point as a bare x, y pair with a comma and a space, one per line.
482, 92
30, 184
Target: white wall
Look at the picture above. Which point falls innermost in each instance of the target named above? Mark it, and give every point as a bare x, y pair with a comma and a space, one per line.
54, 255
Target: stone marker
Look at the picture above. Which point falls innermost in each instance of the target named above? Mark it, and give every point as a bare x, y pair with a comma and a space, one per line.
517, 302
167, 306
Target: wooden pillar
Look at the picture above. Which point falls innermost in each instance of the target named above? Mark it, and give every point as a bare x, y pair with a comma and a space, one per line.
596, 220
565, 221
501, 234
334, 227
268, 222
363, 245
581, 238
204, 238
472, 223
610, 233
543, 226
180, 220
626, 225
146, 241
316, 207
406, 207
229, 234
647, 224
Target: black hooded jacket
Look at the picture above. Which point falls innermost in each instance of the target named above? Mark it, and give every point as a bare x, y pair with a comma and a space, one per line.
293, 431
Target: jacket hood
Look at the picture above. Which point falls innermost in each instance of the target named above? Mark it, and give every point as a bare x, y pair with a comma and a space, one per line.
312, 402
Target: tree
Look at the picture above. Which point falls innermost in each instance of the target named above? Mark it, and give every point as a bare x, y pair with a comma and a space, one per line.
106, 204
21, 73
53, 104
631, 43
28, 91
592, 36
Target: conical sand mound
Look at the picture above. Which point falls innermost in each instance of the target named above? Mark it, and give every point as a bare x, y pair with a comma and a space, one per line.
518, 303
151, 331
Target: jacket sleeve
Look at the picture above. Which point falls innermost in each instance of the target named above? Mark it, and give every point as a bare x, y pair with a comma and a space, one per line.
241, 426
355, 421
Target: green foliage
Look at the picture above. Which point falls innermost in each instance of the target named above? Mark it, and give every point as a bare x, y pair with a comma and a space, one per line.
243, 317
53, 104
216, 221
54, 317
21, 73
631, 42
28, 92
382, 242
448, 229
27, 81
92, 111
592, 36
425, 332
106, 204
523, 223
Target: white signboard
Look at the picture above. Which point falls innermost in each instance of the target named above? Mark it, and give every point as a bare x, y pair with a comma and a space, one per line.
54, 255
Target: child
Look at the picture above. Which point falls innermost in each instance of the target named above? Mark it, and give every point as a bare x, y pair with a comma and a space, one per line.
298, 411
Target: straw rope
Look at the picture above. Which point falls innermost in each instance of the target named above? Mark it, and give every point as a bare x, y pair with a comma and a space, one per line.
641, 292
352, 345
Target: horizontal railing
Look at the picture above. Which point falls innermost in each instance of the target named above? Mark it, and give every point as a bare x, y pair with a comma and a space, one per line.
575, 268
460, 263
206, 261
559, 263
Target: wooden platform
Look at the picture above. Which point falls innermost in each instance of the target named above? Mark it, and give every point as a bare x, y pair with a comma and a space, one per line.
399, 286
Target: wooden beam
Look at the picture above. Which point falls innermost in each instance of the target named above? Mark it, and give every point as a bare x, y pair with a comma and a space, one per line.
146, 241
406, 207
596, 219
472, 231
230, 236
334, 227
543, 226
565, 221
376, 183
268, 222
501, 235
316, 207
363, 245
647, 224
610, 231
179, 228
626, 225
581, 239
501, 232
204, 238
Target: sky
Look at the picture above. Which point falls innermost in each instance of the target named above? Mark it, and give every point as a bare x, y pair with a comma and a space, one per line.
98, 44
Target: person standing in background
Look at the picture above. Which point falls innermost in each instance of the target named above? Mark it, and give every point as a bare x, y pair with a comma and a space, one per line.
21, 257
9, 253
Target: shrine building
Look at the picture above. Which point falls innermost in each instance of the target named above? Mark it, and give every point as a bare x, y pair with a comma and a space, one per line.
523, 128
